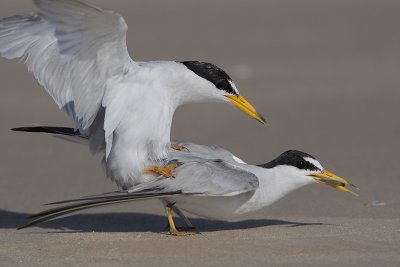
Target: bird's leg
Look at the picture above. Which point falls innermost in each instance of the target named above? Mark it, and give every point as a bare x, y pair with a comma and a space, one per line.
189, 225
165, 171
178, 147
171, 224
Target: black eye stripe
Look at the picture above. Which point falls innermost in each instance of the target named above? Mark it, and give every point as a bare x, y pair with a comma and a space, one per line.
222, 84
305, 165
212, 73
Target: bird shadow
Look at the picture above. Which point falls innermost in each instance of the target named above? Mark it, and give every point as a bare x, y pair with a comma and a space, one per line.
134, 222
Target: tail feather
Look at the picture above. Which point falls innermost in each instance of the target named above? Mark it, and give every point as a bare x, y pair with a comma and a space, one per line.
49, 129
94, 202
90, 197
112, 195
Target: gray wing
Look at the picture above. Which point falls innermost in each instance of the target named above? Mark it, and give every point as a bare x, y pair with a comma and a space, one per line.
203, 177
195, 151
73, 49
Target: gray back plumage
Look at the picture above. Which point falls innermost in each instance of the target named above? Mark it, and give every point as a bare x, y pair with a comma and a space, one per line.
208, 170
195, 151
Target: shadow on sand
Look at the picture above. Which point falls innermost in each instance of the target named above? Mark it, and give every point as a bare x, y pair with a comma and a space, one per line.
133, 222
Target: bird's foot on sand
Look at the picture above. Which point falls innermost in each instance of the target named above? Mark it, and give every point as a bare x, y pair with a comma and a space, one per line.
181, 233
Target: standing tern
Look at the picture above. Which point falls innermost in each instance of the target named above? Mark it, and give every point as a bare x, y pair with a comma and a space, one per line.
208, 186
78, 53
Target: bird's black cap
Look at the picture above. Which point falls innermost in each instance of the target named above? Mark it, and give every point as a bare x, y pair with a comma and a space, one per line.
292, 158
212, 73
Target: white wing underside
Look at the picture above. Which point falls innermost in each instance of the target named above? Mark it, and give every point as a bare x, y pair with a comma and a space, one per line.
76, 51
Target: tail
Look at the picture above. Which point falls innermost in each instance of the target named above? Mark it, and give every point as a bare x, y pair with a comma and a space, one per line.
49, 129
64, 133
92, 202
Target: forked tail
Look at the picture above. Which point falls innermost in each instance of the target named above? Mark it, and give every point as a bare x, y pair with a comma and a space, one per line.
92, 202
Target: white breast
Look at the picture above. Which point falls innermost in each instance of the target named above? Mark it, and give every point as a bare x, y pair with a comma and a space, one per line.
143, 109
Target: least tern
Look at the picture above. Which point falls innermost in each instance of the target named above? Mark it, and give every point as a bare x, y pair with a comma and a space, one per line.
208, 186
78, 53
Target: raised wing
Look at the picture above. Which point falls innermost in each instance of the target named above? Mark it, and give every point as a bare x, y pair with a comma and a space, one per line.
73, 49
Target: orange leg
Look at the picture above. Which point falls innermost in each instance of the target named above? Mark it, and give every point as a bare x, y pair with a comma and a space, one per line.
172, 227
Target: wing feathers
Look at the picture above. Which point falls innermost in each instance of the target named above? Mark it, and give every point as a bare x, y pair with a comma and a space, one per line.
97, 202
73, 49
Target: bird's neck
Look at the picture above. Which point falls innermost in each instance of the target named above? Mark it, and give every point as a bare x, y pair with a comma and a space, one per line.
274, 184
179, 85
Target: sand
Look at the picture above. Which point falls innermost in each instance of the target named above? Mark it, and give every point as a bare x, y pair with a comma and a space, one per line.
324, 74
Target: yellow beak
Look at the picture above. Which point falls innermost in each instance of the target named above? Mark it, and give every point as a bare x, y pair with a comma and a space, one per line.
328, 178
246, 107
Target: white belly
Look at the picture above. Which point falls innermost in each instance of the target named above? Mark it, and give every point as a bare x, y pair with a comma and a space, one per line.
220, 208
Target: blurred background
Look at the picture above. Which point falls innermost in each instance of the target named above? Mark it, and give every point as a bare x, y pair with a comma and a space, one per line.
325, 74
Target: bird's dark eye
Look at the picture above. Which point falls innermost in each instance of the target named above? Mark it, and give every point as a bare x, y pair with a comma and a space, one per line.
222, 84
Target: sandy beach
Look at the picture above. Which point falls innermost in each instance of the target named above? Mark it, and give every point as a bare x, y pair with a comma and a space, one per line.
323, 73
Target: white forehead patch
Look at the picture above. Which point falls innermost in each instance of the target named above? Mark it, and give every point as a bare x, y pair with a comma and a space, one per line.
234, 87
314, 162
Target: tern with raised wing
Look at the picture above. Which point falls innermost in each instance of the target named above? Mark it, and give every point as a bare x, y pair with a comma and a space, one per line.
78, 53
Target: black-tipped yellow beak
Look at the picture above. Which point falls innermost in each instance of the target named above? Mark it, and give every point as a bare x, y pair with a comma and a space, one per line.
328, 178
246, 107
